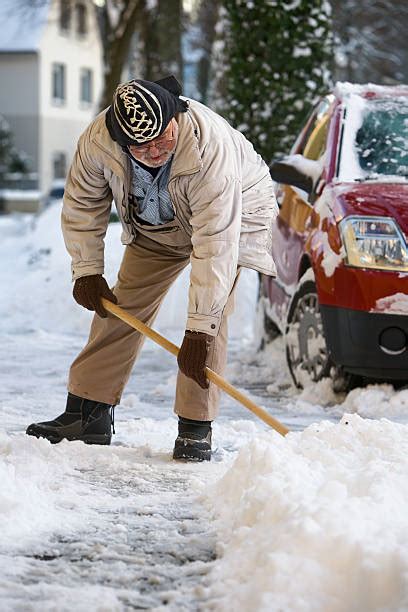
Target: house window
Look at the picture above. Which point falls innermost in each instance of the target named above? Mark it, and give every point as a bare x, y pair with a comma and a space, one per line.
85, 89
65, 16
58, 83
81, 19
59, 165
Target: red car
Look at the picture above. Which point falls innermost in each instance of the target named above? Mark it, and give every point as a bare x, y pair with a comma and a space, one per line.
340, 241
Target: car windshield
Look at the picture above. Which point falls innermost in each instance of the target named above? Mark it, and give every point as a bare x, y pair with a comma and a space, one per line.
375, 139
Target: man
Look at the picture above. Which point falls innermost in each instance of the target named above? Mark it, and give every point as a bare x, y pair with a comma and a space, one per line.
188, 188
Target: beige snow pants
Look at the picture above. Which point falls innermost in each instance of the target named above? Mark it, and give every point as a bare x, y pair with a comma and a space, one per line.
149, 266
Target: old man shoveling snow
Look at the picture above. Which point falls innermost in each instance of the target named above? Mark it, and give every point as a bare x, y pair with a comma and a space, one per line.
188, 188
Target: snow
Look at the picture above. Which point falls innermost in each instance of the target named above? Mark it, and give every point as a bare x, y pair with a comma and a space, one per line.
308, 167
42, 269
331, 260
357, 102
308, 519
345, 89
20, 194
323, 205
377, 401
292, 6
301, 52
316, 520
392, 304
350, 168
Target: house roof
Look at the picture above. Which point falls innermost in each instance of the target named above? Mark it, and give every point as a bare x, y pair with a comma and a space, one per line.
22, 26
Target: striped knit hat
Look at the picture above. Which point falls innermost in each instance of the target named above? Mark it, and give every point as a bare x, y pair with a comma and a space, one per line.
141, 110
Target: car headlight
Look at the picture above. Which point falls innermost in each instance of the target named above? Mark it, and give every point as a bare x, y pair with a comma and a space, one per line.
374, 242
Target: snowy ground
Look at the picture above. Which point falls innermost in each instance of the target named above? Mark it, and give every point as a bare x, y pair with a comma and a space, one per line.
314, 521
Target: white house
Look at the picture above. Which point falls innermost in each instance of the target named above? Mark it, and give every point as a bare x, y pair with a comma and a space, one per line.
50, 80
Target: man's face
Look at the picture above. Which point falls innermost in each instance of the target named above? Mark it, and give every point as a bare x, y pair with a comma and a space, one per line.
159, 150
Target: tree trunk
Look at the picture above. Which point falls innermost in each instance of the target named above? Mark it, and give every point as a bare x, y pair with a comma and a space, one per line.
117, 45
206, 20
162, 32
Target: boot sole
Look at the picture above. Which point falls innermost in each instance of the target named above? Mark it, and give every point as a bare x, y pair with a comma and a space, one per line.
186, 453
101, 439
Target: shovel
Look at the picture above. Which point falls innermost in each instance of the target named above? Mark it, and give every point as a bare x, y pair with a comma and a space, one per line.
212, 376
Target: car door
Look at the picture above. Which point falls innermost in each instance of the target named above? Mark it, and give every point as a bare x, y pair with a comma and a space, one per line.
295, 207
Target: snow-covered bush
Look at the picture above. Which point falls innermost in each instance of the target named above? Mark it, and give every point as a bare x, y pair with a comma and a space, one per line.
11, 160
272, 61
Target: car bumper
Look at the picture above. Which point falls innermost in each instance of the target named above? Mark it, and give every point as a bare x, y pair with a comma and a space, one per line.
368, 344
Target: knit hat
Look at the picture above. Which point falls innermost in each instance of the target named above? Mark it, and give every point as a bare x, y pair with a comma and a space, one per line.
141, 110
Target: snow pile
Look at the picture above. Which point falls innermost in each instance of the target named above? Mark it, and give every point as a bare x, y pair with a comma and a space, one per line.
318, 401
316, 521
321, 393
35, 495
375, 401
39, 280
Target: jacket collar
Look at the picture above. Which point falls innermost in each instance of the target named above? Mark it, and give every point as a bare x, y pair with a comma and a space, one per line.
187, 158
114, 157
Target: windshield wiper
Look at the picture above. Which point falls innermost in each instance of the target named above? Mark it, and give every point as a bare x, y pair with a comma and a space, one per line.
378, 176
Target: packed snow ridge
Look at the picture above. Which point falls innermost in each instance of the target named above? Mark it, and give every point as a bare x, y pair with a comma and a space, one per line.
316, 521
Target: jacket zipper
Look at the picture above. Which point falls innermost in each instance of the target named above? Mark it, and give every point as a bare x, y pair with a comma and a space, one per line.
125, 215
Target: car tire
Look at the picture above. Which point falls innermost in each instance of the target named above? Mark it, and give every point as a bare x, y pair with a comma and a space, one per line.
343, 382
306, 350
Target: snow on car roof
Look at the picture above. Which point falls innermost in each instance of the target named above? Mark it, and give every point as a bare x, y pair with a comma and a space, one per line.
345, 89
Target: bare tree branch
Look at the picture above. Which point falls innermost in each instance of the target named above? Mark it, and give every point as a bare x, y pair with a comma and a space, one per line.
117, 36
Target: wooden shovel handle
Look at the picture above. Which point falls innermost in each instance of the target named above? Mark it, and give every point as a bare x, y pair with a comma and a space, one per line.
211, 375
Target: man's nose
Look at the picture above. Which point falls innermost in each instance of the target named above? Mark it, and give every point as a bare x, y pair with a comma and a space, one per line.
154, 150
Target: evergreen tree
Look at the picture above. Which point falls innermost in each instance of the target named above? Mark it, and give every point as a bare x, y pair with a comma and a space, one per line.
11, 160
273, 62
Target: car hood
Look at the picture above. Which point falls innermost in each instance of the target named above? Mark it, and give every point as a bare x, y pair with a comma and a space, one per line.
373, 199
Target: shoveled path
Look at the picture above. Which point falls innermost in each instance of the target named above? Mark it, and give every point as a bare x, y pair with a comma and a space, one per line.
137, 535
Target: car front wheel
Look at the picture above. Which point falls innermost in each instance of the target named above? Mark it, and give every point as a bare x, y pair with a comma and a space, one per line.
306, 351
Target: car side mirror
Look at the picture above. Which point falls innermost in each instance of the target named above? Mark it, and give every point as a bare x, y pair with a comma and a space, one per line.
282, 171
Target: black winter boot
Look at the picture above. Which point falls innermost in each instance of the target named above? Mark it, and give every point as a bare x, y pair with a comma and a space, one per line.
193, 442
83, 419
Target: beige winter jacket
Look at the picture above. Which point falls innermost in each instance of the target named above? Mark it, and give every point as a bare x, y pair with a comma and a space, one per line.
221, 192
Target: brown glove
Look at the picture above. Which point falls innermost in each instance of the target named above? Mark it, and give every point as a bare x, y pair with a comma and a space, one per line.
88, 291
192, 356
